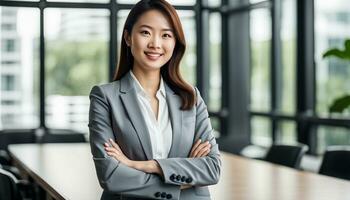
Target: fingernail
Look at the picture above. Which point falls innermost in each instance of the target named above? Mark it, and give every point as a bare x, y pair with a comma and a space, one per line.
207, 142
110, 139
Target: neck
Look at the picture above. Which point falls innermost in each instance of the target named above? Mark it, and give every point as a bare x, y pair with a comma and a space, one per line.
149, 79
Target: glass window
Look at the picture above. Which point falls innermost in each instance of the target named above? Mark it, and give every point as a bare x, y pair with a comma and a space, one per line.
332, 27
7, 27
87, 1
327, 136
24, 0
260, 36
8, 82
172, 2
76, 60
287, 132
214, 3
215, 122
19, 83
255, 1
288, 38
215, 62
8, 45
188, 62
260, 131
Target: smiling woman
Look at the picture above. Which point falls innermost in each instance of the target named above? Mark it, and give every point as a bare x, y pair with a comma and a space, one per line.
150, 132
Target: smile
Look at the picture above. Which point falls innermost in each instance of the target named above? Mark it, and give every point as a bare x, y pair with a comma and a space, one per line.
153, 56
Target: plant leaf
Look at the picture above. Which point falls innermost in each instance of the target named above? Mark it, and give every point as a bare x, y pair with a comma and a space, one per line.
342, 54
340, 104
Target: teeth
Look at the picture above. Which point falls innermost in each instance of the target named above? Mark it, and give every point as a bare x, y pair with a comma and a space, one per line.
153, 54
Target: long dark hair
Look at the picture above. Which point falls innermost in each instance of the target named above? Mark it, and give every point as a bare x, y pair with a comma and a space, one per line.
171, 70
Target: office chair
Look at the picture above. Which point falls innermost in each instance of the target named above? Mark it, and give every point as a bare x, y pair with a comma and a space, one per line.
62, 136
336, 162
287, 155
8, 186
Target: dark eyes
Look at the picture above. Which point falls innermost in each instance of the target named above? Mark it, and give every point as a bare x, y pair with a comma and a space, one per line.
145, 32
166, 35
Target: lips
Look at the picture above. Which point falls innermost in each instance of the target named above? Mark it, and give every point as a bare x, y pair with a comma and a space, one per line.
153, 55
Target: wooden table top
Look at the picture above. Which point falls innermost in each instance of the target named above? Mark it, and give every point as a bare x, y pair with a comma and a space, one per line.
66, 171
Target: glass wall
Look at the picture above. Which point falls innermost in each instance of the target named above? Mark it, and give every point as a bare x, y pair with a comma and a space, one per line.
332, 28
76, 59
19, 67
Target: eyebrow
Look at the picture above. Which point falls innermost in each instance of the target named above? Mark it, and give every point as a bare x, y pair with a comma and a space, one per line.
150, 27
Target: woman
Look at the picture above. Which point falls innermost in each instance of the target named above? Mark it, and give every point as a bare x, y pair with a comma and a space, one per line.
150, 133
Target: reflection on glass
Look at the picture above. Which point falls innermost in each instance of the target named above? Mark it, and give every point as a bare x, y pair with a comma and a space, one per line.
83, 1
327, 136
76, 59
188, 63
261, 131
25, 0
215, 122
215, 62
288, 37
256, 1
287, 132
260, 35
172, 2
332, 25
214, 3
19, 67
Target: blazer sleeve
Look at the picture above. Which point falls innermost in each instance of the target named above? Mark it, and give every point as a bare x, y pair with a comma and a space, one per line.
114, 176
195, 171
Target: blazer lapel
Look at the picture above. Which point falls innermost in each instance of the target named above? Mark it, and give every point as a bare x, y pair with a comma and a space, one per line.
132, 107
174, 104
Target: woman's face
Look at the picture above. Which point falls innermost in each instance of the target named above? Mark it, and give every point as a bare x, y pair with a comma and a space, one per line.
152, 40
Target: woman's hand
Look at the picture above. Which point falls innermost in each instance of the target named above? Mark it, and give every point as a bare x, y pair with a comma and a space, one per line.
149, 166
114, 151
200, 149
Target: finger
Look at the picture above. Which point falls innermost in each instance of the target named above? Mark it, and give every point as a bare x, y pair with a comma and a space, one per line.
202, 152
198, 142
111, 154
205, 152
115, 145
199, 148
112, 149
106, 144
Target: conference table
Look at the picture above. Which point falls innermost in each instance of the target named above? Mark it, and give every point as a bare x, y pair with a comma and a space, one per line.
66, 171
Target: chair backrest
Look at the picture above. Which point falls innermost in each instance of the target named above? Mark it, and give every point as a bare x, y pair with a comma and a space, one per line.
8, 137
336, 162
287, 155
63, 138
8, 187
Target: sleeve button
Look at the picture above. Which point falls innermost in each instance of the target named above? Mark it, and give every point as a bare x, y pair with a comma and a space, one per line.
157, 194
189, 180
178, 177
172, 177
183, 178
163, 195
169, 196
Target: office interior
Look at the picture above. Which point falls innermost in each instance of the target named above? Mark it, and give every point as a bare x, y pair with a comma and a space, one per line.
260, 65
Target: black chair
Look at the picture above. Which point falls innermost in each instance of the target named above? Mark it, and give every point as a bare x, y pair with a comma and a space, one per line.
336, 162
8, 186
13, 136
62, 136
287, 155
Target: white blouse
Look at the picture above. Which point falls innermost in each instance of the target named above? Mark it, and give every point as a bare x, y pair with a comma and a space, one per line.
160, 129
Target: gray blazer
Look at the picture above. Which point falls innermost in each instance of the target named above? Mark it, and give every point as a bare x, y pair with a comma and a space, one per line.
115, 113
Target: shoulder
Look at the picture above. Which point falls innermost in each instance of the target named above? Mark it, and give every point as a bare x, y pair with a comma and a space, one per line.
106, 89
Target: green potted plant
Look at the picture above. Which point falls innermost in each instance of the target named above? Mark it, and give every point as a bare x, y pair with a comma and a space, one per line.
341, 103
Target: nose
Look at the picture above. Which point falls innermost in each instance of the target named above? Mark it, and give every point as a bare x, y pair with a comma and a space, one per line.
154, 42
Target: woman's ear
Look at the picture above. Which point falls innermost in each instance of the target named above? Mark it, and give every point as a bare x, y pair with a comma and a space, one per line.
127, 38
